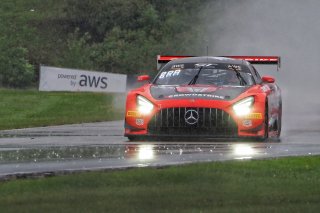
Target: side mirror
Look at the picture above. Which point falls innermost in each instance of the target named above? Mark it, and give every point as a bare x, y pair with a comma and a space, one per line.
268, 79
143, 78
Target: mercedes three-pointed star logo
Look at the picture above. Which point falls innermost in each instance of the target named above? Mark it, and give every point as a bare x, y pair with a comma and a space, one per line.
191, 116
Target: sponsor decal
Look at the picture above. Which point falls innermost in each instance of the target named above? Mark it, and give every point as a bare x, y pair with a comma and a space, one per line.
133, 114
196, 89
203, 65
256, 58
265, 88
247, 123
93, 81
169, 74
177, 66
234, 67
74, 77
254, 116
139, 121
197, 95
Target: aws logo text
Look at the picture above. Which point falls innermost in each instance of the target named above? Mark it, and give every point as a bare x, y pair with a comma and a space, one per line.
93, 81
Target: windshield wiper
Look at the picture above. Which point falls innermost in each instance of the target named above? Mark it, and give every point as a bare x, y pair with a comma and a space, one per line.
195, 78
239, 76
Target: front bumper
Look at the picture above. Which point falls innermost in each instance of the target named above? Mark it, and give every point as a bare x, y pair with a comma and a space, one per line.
211, 123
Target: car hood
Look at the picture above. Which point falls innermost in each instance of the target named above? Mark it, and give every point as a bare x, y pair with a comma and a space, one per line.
196, 92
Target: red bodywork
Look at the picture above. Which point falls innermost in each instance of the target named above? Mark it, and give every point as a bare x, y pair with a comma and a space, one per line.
266, 96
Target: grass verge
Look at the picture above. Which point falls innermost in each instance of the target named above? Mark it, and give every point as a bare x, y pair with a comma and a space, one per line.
281, 185
19, 109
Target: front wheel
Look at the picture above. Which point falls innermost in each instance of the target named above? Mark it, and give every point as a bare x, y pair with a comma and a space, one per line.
266, 124
136, 138
132, 138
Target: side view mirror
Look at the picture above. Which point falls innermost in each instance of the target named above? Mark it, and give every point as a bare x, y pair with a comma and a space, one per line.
143, 78
268, 79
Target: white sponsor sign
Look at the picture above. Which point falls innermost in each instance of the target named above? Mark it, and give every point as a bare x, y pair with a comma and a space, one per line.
60, 79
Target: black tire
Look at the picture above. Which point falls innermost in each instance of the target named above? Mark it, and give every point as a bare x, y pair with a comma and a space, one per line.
132, 138
279, 122
266, 123
136, 138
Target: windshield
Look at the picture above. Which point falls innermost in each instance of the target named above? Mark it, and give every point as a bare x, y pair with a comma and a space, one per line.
206, 74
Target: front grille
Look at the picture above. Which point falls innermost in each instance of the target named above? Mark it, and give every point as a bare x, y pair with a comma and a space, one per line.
211, 122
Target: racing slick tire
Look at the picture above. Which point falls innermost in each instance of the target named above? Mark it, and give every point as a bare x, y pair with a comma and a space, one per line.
279, 122
278, 125
266, 124
132, 138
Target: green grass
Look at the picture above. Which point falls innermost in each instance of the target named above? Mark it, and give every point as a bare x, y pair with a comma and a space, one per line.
19, 109
281, 185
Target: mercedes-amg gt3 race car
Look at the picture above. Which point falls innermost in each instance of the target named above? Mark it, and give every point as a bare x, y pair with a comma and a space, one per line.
211, 97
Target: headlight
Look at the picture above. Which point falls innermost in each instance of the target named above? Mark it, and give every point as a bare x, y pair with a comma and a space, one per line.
144, 105
243, 107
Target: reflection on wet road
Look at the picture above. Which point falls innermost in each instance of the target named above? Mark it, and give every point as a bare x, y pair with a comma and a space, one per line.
47, 150
142, 152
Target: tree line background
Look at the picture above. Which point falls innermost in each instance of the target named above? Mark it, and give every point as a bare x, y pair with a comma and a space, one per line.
122, 36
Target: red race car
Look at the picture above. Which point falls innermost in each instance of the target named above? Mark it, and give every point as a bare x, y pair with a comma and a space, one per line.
211, 97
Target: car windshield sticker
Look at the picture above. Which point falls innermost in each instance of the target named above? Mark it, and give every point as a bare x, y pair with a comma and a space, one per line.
177, 66
234, 67
169, 74
204, 65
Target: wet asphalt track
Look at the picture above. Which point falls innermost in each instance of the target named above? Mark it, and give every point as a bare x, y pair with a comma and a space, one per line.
99, 146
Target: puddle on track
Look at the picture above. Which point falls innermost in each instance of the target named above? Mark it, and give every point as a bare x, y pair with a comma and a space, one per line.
130, 151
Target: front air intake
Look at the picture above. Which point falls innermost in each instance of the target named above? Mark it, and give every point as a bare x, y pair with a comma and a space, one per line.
185, 121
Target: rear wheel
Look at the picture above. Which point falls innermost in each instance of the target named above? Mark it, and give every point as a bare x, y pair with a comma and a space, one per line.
279, 122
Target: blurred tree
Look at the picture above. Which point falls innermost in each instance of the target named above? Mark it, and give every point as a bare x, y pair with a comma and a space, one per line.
107, 35
78, 52
127, 35
15, 70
